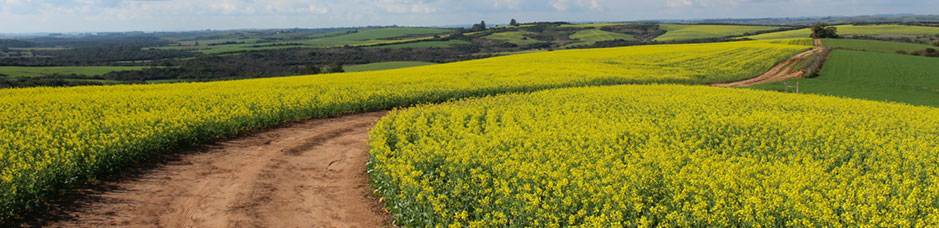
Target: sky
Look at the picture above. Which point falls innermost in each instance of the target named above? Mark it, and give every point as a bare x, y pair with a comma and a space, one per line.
34, 16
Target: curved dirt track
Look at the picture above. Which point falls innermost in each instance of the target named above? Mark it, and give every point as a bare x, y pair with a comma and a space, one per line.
307, 174
780, 72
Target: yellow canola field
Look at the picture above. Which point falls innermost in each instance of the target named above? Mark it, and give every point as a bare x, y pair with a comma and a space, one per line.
53, 138
659, 156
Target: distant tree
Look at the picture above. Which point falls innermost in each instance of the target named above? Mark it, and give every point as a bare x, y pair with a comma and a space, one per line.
335, 67
513, 22
819, 30
196, 44
312, 69
480, 27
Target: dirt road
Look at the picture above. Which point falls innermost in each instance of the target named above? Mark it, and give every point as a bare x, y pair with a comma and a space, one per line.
307, 174
781, 72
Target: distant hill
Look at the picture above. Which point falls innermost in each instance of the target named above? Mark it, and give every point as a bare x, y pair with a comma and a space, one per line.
882, 18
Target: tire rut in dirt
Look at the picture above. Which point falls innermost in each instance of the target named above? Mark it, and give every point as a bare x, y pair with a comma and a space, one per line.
306, 174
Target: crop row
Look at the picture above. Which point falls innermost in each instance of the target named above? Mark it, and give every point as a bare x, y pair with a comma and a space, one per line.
659, 156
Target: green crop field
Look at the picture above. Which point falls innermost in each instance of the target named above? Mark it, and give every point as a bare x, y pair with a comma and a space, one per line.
516, 37
385, 66
855, 30
686, 32
590, 36
16, 71
425, 44
873, 45
874, 76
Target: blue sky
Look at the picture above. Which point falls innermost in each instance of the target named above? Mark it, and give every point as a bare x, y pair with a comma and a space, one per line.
19, 16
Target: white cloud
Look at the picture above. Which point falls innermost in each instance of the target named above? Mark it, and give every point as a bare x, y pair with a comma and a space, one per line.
720, 3
293, 7
678, 3
511, 4
225, 7
406, 6
564, 5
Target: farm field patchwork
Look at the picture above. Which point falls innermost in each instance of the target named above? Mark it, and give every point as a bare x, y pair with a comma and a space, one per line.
516, 37
874, 76
591, 36
56, 138
591, 25
687, 32
385, 66
424, 44
17, 71
337, 39
659, 156
855, 30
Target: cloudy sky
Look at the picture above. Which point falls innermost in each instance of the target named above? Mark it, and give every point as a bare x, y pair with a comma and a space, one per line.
19, 16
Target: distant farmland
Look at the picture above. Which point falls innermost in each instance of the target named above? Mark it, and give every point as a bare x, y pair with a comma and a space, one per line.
591, 36
687, 32
855, 30
517, 37
335, 39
